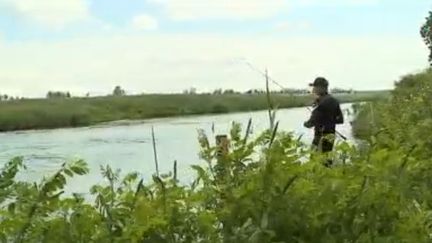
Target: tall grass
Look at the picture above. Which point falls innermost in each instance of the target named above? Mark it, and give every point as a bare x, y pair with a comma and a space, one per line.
75, 112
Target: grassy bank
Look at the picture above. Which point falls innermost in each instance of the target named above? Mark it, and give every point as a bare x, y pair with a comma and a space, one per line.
407, 113
57, 113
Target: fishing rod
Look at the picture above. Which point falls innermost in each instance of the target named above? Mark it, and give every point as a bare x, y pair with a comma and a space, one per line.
264, 74
281, 86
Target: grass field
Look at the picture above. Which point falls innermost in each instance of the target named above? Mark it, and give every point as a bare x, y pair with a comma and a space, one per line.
76, 112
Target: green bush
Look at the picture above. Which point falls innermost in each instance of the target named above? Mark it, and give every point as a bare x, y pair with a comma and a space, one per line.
219, 109
261, 191
405, 119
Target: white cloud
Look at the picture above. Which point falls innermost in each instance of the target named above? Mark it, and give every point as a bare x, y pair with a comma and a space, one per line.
49, 13
292, 26
144, 22
216, 9
165, 63
327, 3
242, 9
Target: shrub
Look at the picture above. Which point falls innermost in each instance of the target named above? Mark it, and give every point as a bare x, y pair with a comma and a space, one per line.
219, 109
261, 191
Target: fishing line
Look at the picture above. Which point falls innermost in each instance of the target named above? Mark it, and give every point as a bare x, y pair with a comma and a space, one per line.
278, 84
254, 68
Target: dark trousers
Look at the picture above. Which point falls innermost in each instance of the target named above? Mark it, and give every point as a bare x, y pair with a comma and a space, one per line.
324, 144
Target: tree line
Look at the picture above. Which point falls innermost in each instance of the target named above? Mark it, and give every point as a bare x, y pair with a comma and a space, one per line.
119, 91
193, 91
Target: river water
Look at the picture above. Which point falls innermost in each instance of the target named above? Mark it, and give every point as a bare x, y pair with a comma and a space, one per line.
128, 145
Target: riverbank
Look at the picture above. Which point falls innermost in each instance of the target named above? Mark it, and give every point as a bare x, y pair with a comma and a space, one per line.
77, 112
406, 114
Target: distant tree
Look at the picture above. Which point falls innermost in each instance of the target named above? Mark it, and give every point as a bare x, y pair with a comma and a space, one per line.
258, 91
192, 90
229, 91
118, 91
426, 33
341, 91
294, 91
217, 92
336, 91
57, 95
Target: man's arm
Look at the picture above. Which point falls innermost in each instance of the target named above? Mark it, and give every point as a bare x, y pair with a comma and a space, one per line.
313, 119
339, 115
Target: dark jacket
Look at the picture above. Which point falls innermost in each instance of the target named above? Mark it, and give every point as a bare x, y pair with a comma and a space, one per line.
325, 116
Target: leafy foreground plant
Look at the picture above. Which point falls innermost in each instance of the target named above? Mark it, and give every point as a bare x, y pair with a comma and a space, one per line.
259, 192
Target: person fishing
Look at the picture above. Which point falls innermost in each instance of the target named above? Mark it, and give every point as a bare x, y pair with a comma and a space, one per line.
324, 118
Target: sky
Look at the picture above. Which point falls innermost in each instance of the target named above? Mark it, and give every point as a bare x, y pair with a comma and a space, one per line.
165, 46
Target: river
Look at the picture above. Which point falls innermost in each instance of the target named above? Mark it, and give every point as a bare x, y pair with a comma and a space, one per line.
128, 145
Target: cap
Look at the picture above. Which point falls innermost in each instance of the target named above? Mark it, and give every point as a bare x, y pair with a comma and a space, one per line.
320, 82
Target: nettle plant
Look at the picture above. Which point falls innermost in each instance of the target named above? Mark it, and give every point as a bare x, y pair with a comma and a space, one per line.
269, 188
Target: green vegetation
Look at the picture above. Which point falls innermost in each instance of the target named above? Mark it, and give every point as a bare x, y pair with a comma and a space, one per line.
58, 95
259, 192
268, 188
56, 113
426, 33
404, 117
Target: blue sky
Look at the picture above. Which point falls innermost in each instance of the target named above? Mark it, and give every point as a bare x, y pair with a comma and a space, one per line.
170, 45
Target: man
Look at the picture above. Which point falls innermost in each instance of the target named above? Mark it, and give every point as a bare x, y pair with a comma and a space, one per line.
326, 115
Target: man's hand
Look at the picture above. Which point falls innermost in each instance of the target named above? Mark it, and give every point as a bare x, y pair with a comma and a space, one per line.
308, 124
